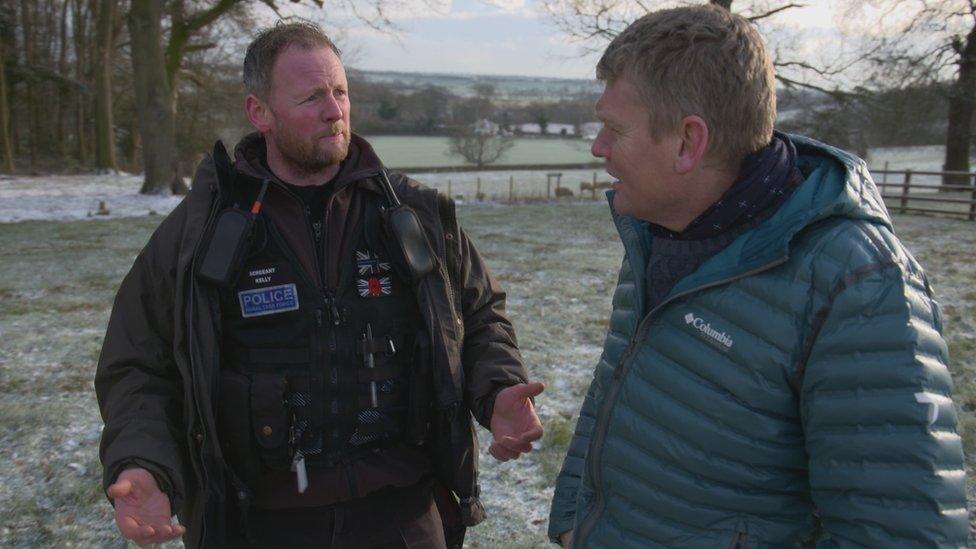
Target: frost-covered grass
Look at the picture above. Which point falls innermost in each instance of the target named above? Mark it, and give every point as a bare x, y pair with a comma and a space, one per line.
558, 263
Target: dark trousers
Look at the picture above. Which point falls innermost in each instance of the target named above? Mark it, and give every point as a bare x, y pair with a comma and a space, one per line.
388, 518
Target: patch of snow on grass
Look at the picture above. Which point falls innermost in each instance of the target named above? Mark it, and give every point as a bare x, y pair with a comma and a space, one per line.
70, 197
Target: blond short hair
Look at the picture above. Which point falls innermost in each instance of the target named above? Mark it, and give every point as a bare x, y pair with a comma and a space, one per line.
703, 61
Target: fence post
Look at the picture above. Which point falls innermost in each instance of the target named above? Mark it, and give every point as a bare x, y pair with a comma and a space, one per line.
904, 190
548, 193
449, 188
477, 195
593, 188
972, 201
511, 188
884, 176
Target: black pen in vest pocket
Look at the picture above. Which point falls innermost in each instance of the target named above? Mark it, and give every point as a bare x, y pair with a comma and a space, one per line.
228, 243
370, 363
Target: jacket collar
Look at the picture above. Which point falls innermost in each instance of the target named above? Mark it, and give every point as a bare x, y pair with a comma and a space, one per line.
836, 184
361, 163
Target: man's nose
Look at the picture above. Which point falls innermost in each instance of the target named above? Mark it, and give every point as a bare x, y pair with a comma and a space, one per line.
332, 109
599, 147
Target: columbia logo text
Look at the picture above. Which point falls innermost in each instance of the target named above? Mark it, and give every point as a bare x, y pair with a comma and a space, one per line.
720, 339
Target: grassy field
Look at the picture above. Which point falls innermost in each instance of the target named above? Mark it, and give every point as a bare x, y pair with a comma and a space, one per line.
557, 261
404, 151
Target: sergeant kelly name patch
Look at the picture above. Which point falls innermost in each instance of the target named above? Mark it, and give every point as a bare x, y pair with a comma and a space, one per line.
268, 301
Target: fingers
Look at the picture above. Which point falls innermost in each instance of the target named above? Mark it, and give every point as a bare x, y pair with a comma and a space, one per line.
130, 528
120, 489
529, 390
535, 433
501, 453
508, 447
163, 533
146, 534
518, 445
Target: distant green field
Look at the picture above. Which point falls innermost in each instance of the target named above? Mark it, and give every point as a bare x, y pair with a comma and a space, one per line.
404, 151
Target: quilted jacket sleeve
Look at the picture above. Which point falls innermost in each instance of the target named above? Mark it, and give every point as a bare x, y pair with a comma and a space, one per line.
562, 515
137, 383
885, 461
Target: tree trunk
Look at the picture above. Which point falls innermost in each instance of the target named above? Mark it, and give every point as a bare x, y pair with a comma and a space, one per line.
33, 131
63, 93
81, 101
962, 99
6, 148
153, 99
104, 135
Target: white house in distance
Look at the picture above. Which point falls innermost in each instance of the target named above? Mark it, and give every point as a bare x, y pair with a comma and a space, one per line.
588, 130
553, 128
486, 127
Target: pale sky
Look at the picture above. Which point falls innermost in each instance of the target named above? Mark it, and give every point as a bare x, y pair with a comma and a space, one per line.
506, 37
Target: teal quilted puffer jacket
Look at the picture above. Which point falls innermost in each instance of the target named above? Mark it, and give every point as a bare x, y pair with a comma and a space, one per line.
792, 391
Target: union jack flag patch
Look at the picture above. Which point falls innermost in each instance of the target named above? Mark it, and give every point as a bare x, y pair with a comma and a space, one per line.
374, 286
369, 263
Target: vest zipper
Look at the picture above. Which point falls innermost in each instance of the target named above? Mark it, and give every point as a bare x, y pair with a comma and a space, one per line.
601, 423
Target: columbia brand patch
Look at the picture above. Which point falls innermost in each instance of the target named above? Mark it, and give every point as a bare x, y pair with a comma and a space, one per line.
268, 301
369, 263
374, 286
719, 339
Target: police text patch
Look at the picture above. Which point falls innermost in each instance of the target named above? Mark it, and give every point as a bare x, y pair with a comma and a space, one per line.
268, 301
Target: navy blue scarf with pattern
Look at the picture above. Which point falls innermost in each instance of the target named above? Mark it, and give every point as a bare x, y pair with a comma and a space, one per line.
767, 178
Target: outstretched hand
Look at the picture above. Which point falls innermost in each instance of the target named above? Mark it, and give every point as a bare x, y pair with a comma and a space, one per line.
142, 511
514, 424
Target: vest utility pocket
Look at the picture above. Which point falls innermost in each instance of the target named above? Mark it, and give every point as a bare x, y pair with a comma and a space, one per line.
234, 424
268, 414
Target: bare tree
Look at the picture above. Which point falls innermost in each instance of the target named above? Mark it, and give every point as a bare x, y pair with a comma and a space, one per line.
594, 23
157, 68
6, 144
104, 43
925, 43
480, 146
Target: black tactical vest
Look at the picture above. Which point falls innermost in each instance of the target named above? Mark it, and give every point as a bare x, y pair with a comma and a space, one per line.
309, 372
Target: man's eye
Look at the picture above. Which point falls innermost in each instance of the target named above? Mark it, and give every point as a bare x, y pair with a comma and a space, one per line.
340, 93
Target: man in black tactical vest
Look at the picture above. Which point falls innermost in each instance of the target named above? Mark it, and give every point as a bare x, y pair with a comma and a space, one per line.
295, 357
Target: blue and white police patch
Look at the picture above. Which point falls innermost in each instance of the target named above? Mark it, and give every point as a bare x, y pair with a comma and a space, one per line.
268, 301
369, 263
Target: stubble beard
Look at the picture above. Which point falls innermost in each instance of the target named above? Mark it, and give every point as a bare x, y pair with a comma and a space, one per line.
311, 156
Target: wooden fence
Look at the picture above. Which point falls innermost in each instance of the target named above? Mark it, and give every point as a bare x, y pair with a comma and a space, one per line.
920, 191
904, 191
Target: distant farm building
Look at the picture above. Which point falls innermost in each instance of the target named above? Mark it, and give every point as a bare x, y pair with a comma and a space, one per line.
486, 127
551, 129
588, 130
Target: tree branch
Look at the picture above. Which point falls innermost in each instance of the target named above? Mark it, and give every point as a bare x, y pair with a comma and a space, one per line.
774, 11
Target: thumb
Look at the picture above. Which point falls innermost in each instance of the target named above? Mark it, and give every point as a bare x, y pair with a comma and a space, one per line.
529, 390
120, 489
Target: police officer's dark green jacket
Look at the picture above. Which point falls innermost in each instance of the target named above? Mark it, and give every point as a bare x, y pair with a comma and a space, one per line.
157, 378
796, 381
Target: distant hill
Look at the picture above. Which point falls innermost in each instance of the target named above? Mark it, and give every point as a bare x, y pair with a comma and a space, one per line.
509, 89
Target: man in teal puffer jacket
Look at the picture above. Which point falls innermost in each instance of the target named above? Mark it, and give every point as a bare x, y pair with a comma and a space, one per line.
774, 373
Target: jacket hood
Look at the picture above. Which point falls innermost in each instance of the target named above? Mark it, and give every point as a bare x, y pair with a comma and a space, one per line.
361, 162
836, 184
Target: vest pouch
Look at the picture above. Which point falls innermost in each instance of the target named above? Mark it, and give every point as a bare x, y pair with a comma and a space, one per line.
234, 425
420, 391
269, 418
411, 247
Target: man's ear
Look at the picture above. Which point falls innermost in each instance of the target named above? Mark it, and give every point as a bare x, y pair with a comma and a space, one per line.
694, 142
258, 113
